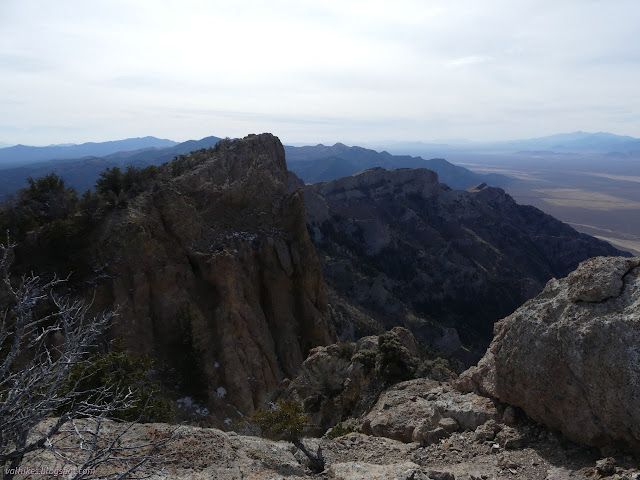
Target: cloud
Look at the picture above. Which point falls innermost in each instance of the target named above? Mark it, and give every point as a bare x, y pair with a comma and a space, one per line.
373, 68
470, 60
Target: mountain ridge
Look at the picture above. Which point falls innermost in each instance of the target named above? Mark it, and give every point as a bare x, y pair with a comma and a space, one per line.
322, 163
24, 154
407, 250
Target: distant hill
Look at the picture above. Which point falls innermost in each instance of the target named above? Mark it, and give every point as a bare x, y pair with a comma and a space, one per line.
82, 174
322, 163
562, 143
20, 155
578, 142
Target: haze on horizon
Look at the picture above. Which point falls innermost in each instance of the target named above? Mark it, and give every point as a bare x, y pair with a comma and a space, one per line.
356, 72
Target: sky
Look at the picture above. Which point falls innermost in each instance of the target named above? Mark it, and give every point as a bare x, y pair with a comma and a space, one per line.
312, 72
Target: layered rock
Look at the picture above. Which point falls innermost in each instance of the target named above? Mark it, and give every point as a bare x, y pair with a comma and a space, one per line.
214, 273
404, 249
570, 358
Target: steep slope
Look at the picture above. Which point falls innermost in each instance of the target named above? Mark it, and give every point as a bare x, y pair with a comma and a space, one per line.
410, 251
215, 274
322, 163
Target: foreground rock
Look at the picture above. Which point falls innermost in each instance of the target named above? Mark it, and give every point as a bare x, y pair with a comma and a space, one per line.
570, 358
424, 411
208, 453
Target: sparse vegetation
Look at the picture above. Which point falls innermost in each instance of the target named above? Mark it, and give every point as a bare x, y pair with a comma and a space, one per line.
394, 363
130, 372
322, 378
345, 350
284, 420
367, 357
46, 370
341, 430
437, 369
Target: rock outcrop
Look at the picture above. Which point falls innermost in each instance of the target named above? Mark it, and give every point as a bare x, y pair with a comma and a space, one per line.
215, 275
570, 358
339, 381
446, 264
425, 411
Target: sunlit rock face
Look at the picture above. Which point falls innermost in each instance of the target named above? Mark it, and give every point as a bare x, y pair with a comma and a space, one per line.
570, 358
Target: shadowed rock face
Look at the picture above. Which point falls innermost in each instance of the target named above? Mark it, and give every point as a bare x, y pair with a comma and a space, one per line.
570, 358
215, 274
444, 263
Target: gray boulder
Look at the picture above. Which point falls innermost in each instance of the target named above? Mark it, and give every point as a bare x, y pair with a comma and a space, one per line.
570, 358
421, 405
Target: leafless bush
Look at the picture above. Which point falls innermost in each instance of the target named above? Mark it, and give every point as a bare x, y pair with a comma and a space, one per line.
42, 336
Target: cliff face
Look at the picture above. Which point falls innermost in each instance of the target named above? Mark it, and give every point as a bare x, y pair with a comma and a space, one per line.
444, 263
215, 274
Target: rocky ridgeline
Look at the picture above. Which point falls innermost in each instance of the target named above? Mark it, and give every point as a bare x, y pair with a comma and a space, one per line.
214, 274
570, 358
402, 249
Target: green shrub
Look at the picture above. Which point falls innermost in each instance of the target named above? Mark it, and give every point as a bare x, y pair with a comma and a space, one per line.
394, 363
345, 350
437, 369
367, 358
103, 374
284, 420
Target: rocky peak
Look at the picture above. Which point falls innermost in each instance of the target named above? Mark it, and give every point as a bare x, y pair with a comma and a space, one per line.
477, 188
253, 169
216, 276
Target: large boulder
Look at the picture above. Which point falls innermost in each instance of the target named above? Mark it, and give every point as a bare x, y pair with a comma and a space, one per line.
419, 406
570, 358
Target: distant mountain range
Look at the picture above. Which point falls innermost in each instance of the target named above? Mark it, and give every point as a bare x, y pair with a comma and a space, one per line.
322, 163
82, 173
311, 163
80, 165
577, 142
22, 154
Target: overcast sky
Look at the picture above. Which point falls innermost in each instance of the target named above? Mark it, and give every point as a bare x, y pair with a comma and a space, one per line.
317, 71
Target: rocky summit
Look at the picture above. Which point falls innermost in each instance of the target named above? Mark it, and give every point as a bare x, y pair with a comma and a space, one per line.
403, 249
213, 272
570, 358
